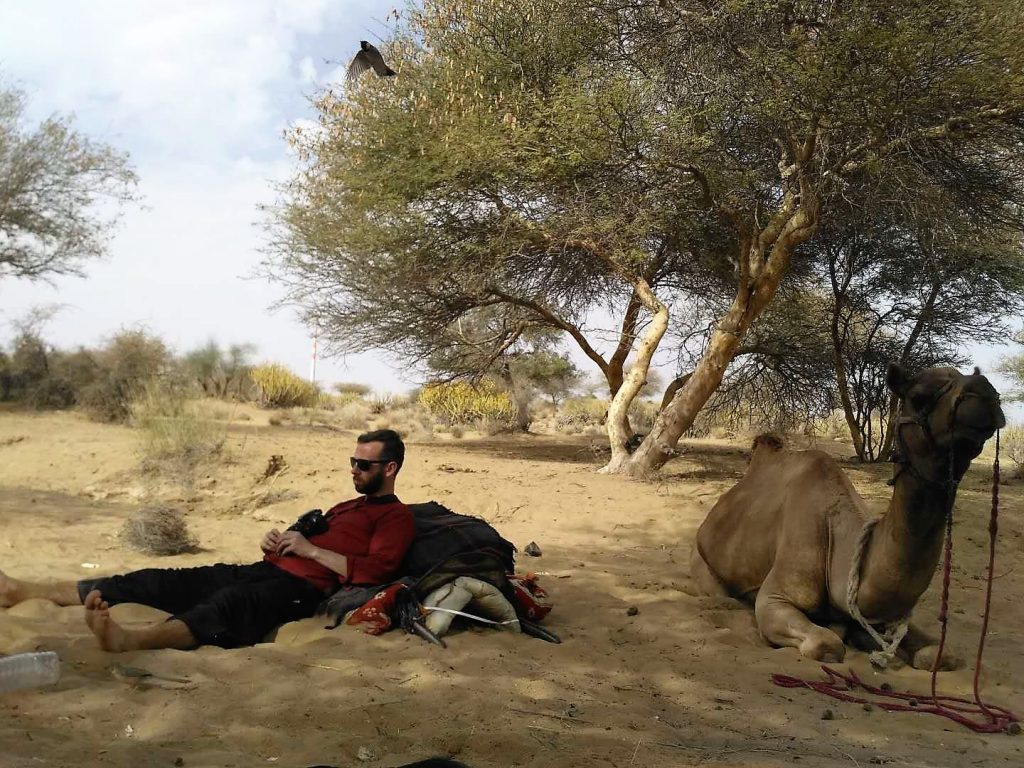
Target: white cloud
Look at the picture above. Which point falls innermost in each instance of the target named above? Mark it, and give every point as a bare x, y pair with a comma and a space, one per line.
191, 79
199, 94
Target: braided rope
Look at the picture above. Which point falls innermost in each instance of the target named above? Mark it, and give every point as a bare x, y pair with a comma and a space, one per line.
889, 640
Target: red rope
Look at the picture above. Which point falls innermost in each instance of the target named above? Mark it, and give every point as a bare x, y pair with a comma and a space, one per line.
993, 528
976, 715
839, 686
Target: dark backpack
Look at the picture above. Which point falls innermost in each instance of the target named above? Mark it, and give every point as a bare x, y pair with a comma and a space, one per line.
448, 544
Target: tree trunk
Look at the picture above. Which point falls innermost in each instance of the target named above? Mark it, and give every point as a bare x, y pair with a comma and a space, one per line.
674, 386
619, 430
759, 280
520, 392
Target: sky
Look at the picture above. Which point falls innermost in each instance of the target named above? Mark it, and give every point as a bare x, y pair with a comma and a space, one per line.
199, 94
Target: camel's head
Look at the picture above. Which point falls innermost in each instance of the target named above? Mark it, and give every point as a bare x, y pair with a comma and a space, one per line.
942, 409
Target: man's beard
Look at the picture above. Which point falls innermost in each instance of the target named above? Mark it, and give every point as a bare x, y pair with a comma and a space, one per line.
370, 485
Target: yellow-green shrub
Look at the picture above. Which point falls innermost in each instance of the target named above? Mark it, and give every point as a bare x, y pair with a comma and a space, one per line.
579, 412
461, 403
280, 388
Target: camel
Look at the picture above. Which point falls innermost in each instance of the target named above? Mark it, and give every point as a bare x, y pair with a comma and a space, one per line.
786, 536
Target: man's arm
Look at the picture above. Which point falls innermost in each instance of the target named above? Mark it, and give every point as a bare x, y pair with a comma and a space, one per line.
294, 543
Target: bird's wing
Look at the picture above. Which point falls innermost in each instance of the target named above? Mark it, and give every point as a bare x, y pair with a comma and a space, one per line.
360, 63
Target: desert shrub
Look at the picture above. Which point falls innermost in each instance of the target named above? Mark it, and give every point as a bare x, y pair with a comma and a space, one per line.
124, 366
1012, 444
462, 403
352, 388
353, 415
174, 432
381, 403
278, 387
158, 531
576, 413
221, 373
642, 414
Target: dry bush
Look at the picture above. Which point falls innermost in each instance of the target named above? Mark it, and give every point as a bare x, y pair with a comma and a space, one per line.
1011, 443
577, 413
353, 415
159, 531
125, 366
176, 437
278, 387
642, 414
381, 403
409, 420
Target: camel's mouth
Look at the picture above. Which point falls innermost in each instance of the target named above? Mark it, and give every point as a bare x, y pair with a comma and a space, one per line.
978, 418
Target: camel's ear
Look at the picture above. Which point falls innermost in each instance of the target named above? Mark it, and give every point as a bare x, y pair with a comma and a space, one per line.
897, 379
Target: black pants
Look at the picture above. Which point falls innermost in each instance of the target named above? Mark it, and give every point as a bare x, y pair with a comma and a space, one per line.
225, 605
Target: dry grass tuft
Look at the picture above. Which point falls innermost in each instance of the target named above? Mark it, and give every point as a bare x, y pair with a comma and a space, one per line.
159, 531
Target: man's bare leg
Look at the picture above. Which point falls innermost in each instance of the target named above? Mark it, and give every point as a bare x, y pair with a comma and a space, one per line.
13, 591
116, 639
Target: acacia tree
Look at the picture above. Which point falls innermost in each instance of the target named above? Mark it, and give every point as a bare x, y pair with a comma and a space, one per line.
1012, 366
53, 181
495, 172
915, 291
551, 156
525, 362
792, 102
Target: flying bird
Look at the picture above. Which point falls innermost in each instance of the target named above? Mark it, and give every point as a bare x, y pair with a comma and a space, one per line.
368, 58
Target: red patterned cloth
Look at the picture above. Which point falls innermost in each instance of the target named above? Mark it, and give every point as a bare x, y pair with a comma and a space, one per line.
376, 612
529, 597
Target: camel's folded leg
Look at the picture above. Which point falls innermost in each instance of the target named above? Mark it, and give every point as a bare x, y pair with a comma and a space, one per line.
921, 649
918, 648
706, 580
783, 623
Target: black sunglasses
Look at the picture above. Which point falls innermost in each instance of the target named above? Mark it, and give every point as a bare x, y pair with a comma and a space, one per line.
365, 464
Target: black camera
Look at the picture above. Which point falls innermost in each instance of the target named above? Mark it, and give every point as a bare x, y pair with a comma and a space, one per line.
310, 524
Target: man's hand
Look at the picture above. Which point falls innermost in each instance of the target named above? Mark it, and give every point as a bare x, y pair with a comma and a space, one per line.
294, 543
271, 541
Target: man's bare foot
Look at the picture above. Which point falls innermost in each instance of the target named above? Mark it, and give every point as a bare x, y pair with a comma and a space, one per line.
111, 635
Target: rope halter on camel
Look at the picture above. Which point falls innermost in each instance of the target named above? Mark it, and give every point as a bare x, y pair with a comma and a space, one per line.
889, 639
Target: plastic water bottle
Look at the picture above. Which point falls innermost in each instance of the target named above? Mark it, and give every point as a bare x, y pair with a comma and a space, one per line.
28, 670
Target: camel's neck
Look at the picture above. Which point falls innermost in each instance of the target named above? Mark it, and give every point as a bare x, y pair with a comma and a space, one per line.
904, 550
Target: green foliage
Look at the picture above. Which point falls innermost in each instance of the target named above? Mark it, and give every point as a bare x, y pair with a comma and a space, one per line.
56, 195
462, 403
543, 159
221, 373
1012, 366
352, 388
278, 387
549, 373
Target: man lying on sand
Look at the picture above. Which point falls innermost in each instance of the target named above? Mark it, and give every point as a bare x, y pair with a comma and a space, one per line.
362, 541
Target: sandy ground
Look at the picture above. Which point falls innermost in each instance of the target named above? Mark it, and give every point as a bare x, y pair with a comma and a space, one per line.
683, 682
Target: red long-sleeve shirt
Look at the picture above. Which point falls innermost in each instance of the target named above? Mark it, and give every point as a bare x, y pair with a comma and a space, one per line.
372, 532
